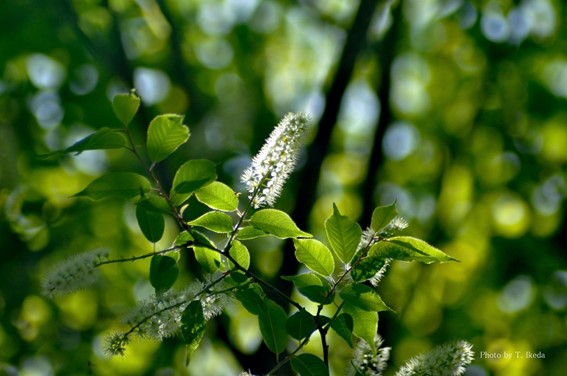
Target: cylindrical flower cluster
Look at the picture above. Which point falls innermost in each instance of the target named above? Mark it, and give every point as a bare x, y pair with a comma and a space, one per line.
274, 163
446, 360
74, 274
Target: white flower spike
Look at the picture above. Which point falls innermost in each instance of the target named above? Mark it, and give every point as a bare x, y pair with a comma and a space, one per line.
274, 163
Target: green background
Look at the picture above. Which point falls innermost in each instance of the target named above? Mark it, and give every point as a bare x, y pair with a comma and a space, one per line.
456, 110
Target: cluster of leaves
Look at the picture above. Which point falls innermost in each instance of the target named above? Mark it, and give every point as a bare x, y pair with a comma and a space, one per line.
347, 290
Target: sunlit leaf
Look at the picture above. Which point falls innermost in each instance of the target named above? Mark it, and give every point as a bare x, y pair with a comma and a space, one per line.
363, 297
250, 232
208, 259
382, 216
276, 222
344, 235
309, 365
125, 106
165, 134
240, 254
272, 322
163, 272
191, 176
367, 268
214, 221
315, 255
407, 248
365, 323
218, 196
123, 185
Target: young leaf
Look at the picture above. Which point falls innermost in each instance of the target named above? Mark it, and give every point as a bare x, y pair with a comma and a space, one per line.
163, 272
191, 176
240, 253
309, 365
249, 232
365, 323
123, 185
214, 221
277, 223
315, 255
363, 297
382, 216
272, 326
165, 134
407, 248
301, 324
207, 258
344, 235
192, 326
343, 326
218, 196
151, 223
313, 287
125, 106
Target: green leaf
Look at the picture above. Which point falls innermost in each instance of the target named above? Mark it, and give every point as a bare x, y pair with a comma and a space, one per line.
151, 223
407, 248
363, 297
301, 324
125, 106
277, 223
315, 255
155, 203
123, 185
367, 268
191, 176
343, 326
272, 322
163, 272
365, 323
184, 237
193, 325
240, 253
207, 258
344, 235
218, 196
201, 239
382, 216
214, 221
313, 287
249, 232
309, 365
102, 139
252, 298
165, 134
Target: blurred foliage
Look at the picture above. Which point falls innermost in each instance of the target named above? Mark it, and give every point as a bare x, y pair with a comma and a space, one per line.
455, 109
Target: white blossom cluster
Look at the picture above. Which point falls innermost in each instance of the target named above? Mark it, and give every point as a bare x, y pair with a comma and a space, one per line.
366, 362
274, 163
75, 273
159, 316
446, 360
